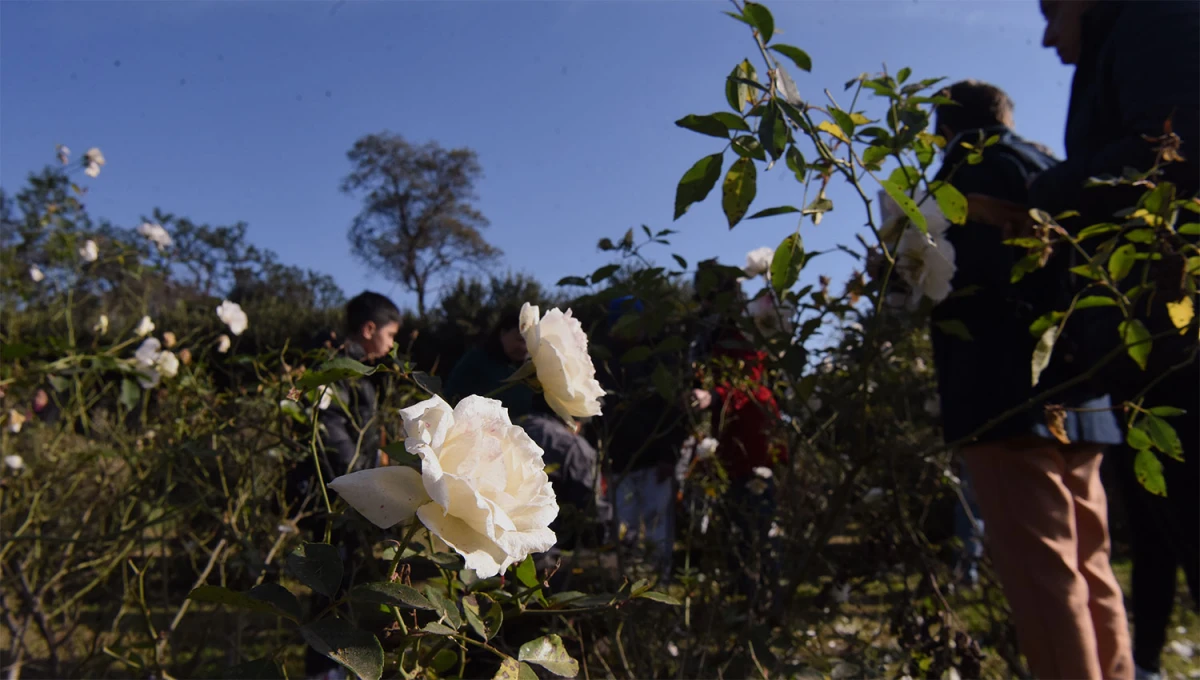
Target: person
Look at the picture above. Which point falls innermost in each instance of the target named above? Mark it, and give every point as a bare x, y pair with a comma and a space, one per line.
643, 433
349, 439
1122, 96
1038, 490
485, 367
746, 420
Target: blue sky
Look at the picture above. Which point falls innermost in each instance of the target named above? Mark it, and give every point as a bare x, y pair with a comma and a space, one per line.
227, 111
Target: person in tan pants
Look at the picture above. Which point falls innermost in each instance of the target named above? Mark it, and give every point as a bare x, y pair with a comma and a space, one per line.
1047, 526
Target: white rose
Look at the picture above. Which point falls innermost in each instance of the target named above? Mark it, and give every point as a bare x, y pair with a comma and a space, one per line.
145, 327
326, 398
758, 261
558, 348
92, 161
156, 235
482, 487
231, 315
14, 462
36, 274
64, 154
223, 344
152, 364
101, 326
706, 448
764, 472
15, 420
90, 252
167, 364
926, 263
147, 353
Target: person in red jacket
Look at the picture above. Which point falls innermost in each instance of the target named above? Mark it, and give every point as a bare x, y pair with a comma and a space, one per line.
745, 421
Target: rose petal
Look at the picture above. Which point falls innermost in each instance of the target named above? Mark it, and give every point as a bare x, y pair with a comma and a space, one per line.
386, 496
481, 553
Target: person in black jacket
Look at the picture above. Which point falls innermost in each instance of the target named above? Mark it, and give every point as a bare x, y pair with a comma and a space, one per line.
1042, 500
1137, 66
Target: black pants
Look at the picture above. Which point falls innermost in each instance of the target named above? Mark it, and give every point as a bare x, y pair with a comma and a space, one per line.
1165, 532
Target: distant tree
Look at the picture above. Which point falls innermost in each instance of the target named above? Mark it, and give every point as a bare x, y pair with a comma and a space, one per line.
418, 221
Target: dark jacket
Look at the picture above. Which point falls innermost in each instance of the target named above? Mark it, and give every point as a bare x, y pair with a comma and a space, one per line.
643, 429
480, 371
1139, 66
981, 378
349, 431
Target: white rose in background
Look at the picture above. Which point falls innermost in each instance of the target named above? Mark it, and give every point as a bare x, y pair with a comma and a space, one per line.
101, 326
156, 235
154, 363
231, 315
63, 153
167, 364
924, 261
93, 160
14, 462
223, 344
90, 252
758, 261
145, 327
558, 348
482, 487
36, 274
16, 419
706, 449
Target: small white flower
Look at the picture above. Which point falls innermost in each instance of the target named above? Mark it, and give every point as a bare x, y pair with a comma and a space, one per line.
841, 594
36, 274
93, 160
920, 365
90, 252
758, 261
15, 420
872, 495
167, 364
704, 524
101, 326
1181, 630
286, 529
145, 327
326, 398
811, 633
1182, 648
672, 649
776, 531
764, 472
14, 462
223, 344
156, 235
231, 315
64, 154
148, 357
706, 448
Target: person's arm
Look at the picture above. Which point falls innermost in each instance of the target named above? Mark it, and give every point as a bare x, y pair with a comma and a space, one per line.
340, 436
1155, 71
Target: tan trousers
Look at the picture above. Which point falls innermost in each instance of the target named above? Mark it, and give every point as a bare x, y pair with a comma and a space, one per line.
1047, 533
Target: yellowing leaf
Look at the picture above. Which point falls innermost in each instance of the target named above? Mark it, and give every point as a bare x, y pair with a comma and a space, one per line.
832, 128
1181, 313
1041, 353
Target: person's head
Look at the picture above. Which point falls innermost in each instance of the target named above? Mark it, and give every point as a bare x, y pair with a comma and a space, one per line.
976, 105
504, 340
716, 287
372, 322
1064, 27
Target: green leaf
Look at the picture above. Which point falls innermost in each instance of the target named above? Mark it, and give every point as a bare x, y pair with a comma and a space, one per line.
795, 163
572, 281
819, 206
683, 264
1042, 353
1120, 263
697, 182
1043, 322
798, 56
664, 383
760, 17
951, 201
332, 371
874, 155
1167, 411
430, 383
833, 129
483, 614
1095, 301
527, 573
906, 204
391, 595
903, 75
1087, 271
786, 263
1190, 229
636, 354
954, 328
59, 383
1137, 341
357, 650
436, 628
1165, 438
705, 125
1140, 236
767, 132
549, 653
771, 212
511, 669
1097, 230
232, 598
844, 121
1149, 472
13, 351
279, 597
1138, 438
660, 597
739, 190
748, 147
738, 93
604, 272
318, 566
732, 121
131, 394
259, 669
446, 608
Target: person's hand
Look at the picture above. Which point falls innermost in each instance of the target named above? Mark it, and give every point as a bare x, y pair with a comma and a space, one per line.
1012, 219
701, 399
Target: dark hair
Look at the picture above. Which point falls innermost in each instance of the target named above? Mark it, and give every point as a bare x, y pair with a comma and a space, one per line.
369, 306
510, 318
976, 105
